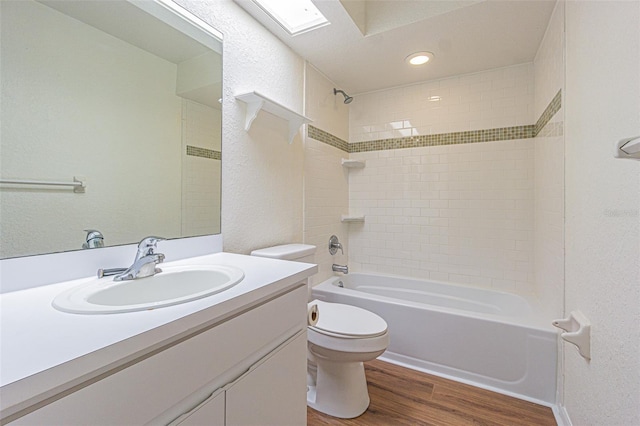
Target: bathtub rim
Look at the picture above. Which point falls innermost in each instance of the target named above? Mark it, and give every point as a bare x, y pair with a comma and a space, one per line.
537, 320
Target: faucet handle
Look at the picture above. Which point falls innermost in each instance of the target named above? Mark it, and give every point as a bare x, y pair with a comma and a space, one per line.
148, 245
94, 239
334, 245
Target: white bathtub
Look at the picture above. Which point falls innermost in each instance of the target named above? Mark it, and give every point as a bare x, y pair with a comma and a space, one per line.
486, 338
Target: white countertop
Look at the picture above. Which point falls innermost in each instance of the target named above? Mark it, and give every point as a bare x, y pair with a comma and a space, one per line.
44, 351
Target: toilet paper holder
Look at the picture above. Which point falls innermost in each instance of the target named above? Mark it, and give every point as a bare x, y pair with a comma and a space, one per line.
577, 331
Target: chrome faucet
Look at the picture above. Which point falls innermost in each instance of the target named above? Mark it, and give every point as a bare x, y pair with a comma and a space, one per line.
145, 262
340, 268
110, 271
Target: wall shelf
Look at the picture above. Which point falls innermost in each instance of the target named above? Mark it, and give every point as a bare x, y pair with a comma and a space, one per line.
353, 164
346, 218
256, 102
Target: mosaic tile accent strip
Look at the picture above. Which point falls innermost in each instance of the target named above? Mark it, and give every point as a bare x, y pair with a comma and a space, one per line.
472, 136
196, 151
552, 129
553, 107
328, 138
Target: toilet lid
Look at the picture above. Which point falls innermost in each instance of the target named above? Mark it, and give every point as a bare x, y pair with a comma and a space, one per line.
347, 320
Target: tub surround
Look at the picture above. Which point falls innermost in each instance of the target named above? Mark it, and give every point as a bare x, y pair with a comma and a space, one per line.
48, 353
455, 206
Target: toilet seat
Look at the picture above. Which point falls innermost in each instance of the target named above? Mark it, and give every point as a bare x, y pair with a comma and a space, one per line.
339, 343
347, 322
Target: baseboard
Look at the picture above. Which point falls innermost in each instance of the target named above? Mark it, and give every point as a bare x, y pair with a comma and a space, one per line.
561, 415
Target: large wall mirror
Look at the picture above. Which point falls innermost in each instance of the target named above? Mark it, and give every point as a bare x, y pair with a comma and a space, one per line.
107, 93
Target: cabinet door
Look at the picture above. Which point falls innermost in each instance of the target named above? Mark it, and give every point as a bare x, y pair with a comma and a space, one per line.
274, 391
209, 413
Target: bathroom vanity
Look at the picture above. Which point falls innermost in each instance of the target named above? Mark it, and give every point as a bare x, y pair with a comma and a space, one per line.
237, 357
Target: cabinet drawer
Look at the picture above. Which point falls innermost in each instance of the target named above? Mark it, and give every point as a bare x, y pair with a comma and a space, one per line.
211, 412
139, 393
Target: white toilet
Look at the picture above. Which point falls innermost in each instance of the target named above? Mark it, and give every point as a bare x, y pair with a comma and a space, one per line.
344, 337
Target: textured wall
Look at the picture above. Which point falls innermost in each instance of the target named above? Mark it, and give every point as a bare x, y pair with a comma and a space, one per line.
602, 203
262, 175
326, 192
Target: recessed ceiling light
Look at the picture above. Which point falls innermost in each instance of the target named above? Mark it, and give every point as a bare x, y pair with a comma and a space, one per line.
419, 58
295, 16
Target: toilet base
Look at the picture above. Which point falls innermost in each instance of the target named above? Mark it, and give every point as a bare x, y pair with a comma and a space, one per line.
340, 389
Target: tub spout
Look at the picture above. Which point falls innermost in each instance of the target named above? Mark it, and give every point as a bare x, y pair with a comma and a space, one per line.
340, 268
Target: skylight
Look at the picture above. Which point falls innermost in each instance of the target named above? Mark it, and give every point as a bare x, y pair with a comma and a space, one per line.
295, 16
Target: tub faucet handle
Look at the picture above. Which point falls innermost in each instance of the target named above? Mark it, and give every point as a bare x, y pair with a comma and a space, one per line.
334, 245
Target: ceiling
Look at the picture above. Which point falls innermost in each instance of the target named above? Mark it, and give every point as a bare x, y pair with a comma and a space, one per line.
364, 47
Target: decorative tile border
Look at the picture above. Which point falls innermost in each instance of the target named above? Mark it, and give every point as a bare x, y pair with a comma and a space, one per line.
328, 138
552, 129
553, 107
472, 136
196, 151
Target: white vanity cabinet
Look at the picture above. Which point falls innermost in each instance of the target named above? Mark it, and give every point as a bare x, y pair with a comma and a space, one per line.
210, 412
285, 402
264, 395
248, 369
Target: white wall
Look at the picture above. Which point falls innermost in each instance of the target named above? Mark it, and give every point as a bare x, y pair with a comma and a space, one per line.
59, 121
326, 182
602, 203
549, 170
262, 175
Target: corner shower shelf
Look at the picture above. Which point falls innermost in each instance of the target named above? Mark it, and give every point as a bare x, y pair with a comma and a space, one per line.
352, 218
256, 102
353, 164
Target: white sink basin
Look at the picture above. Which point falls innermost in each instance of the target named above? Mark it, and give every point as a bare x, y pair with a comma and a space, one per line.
172, 286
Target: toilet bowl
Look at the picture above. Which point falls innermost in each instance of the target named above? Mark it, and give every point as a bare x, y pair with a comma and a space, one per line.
344, 337
338, 344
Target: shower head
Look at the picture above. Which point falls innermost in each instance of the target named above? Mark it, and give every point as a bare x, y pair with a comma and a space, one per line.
347, 98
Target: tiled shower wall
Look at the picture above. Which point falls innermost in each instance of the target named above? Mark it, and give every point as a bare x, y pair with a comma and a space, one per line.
458, 213
496, 98
487, 213
549, 170
462, 212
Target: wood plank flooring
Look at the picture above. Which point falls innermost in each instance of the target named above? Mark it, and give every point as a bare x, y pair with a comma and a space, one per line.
400, 396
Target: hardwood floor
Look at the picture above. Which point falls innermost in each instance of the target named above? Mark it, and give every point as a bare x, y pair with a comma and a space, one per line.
400, 396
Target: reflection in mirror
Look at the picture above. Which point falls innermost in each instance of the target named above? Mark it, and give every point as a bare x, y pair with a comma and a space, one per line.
104, 92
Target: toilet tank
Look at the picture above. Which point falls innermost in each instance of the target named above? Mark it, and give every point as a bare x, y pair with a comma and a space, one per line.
295, 252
